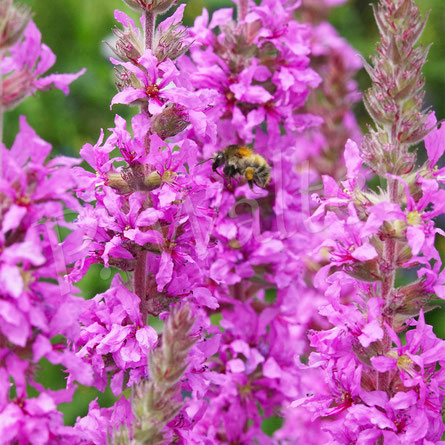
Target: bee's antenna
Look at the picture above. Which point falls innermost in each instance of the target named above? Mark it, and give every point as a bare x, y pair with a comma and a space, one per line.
205, 160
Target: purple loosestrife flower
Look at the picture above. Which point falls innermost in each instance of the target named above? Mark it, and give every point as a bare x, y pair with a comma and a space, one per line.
253, 88
149, 214
37, 303
113, 335
148, 81
23, 68
397, 397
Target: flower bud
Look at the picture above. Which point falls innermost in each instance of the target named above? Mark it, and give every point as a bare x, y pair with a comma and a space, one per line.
13, 21
154, 6
408, 301
170, 44
128, 47
171, 121
157, 401
16, 86
153, 180
118, 183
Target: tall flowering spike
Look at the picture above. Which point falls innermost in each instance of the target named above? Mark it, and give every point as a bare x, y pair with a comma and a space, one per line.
157, 401
378, 390
13, 21
396, 97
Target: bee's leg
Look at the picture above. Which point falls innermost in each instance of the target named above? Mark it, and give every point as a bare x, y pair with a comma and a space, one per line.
229, 170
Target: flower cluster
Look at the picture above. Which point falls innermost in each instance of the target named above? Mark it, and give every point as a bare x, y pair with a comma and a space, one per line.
147, 213
380, 389
36, 303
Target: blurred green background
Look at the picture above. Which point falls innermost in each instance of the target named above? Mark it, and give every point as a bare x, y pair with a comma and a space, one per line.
75, 31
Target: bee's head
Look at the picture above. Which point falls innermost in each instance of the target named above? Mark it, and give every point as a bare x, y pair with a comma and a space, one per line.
218, 160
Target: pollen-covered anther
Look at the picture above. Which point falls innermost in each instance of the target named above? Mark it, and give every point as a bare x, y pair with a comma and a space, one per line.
414, 218
152, 90
24, 201
230, 96
234, 244
169, 176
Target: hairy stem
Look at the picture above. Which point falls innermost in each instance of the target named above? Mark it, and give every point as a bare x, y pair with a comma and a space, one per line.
140, 275
140, 272
149, 28
243, 9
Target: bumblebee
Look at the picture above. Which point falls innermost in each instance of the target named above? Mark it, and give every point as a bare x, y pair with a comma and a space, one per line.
241, 160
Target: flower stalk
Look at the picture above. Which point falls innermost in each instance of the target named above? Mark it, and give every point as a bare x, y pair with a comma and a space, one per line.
243, 9
149, 28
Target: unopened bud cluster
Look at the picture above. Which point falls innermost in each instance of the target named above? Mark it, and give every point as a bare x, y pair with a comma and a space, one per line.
396, 95
157, 401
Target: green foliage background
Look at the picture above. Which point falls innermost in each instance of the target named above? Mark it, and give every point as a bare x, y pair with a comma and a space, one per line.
76, 29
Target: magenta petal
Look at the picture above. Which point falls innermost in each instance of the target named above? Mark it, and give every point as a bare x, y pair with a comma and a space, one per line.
271, 369
434, 354
147, 337
236, 365
11, 280
435, 141
13, 324
221, 17
416, 237
141, 238
116, 383
41, 405
59, 81
27, 251
41, 347
148, 217
403, 400
370, 333
13, 218
352, 159
365, 252
128, 96
164, 275
204, 297
383, 364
